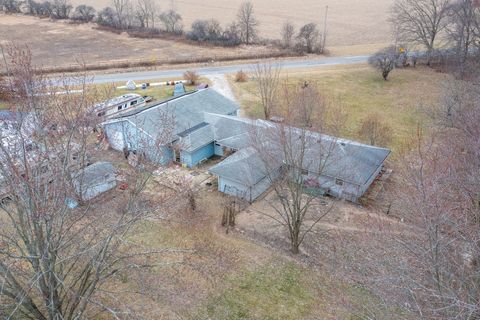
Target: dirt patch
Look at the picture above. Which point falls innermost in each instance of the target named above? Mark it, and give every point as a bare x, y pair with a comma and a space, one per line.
343, 218
221, 85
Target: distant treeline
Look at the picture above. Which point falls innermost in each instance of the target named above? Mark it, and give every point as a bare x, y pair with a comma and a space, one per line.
143, 18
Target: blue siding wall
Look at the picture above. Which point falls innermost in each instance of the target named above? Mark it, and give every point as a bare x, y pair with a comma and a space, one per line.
234, 189
124, 134
218, 150
194, 158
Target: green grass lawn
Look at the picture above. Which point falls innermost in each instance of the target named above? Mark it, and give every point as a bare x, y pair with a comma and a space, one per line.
360, 90
159, 93
276, 291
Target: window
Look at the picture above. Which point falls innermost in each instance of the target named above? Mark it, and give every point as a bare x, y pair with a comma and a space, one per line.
339, 182
120, 107
133, 103
101, 114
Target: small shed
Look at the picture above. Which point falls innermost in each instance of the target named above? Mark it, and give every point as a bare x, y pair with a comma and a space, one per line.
94, 180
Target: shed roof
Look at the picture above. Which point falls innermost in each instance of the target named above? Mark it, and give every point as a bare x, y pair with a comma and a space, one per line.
94, 174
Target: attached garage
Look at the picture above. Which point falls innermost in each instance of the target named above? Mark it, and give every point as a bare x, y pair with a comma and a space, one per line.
243, 175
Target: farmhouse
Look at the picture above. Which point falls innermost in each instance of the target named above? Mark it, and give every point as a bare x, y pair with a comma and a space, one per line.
173, 130
194, 127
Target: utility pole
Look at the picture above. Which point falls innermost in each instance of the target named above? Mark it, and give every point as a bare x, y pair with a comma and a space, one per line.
324, 40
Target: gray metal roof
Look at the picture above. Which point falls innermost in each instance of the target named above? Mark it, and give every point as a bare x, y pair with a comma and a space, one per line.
94, 174
185, 112
344, 159
325, 155
228, 126
196, 139
244, 166
237, 142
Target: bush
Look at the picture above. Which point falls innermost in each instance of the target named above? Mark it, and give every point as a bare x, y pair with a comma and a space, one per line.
5, 92
191, 76
309, 39
211, 31
172, 22
375, 131
385, 61
84, 13
10, 6
241, 76
205, 30
107, 17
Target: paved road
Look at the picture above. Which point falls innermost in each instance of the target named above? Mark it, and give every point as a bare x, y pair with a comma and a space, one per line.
205, 71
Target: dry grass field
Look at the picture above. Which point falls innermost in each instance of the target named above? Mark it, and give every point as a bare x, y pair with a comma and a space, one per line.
355, 27
351, 22
55, 44
242, 275
359, 90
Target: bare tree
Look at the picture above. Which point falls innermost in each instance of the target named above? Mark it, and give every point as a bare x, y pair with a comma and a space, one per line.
428, 265
123, 12
5, 90
374, 130
248, 22
61, 9
293, 159
309, 39
54, 260
232, 34
288, 32
385, 61
191, 76
463, 28
172, 21
147, 11
457, 97
420, 21
267, 77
